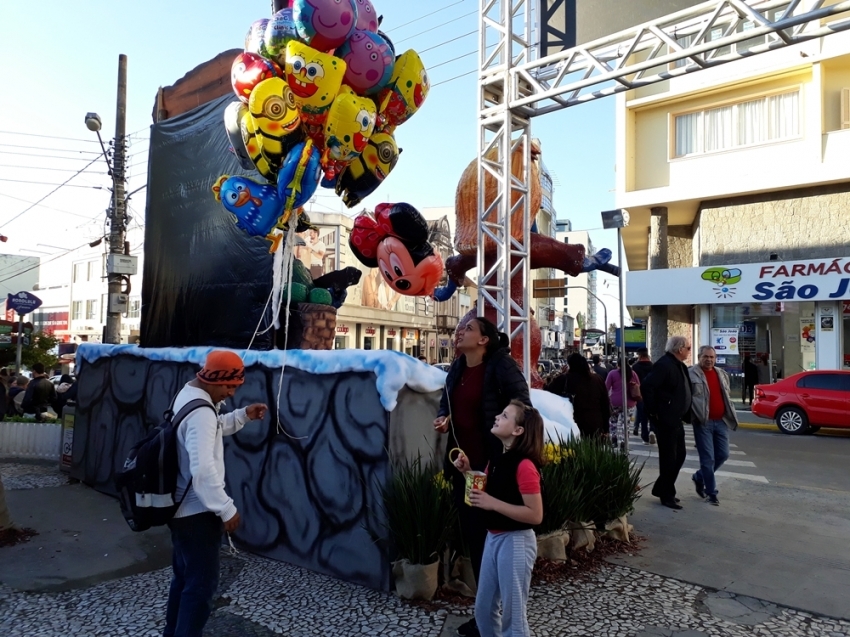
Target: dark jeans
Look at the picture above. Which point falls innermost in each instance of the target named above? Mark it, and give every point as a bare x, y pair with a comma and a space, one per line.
712, 440
671, 457
471, 525
196, 541
747, 392
642, 421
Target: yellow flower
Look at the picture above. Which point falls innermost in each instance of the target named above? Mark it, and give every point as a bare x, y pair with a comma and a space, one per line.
441, 482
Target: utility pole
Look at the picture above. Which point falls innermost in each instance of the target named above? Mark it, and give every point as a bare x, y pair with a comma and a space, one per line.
117, 213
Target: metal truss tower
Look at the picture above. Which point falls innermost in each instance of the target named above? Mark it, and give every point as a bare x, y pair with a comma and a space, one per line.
513, 88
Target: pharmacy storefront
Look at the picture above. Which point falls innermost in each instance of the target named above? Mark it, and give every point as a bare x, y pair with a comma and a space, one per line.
787, 316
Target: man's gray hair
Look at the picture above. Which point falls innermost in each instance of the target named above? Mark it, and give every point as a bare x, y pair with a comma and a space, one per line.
675, 343
705, 348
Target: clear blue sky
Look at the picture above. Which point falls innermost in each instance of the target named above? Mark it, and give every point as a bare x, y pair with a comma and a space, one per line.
61, 60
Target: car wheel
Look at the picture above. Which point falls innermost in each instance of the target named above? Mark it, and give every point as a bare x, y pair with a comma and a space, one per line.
792, 420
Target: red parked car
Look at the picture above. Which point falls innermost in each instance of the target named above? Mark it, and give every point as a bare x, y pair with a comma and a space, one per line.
805, 402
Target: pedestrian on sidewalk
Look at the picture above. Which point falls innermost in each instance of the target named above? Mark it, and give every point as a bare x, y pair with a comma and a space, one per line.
620, 414
667, 394
206, 511
751, 379
713, 416
587, 392
513, 506
642, 368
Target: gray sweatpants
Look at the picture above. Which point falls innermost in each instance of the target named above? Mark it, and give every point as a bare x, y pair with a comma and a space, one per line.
505, 577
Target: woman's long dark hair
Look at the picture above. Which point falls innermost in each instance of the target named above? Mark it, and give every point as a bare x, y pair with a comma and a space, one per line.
530, 442
489, 330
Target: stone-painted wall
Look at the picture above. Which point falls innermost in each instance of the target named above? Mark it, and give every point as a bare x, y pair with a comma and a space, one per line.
305, 497
810, 223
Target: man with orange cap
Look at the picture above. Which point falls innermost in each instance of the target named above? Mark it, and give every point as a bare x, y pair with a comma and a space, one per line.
205, 509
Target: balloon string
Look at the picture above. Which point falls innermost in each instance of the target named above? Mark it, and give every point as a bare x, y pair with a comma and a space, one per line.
289, 259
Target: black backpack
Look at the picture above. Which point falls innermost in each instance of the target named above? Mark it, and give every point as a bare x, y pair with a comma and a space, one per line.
147, 483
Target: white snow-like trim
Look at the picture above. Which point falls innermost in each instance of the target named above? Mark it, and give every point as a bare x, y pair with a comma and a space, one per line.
394, 370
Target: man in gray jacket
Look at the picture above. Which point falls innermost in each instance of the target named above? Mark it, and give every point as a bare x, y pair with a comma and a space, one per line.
713, 415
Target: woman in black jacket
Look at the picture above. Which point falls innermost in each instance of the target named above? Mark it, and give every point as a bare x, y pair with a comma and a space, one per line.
587, 392
481, 382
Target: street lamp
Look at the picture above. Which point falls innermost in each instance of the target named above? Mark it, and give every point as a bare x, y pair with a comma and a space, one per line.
619, 219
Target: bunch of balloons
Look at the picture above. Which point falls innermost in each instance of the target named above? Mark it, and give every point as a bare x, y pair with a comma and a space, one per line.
321, 92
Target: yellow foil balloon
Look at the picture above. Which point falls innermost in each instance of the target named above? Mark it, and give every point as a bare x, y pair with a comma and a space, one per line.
276, 121
350, 123
315, 78
405, 93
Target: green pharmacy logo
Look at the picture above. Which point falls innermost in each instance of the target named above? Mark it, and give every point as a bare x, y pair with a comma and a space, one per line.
723, 279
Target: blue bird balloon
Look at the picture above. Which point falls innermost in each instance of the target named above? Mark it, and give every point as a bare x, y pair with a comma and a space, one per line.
257, 207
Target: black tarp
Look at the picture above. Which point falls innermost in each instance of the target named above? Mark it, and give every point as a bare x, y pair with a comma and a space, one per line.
205, 281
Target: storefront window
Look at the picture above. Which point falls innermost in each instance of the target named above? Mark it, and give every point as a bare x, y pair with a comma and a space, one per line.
340, 342
778, 337
845, 334
369, 342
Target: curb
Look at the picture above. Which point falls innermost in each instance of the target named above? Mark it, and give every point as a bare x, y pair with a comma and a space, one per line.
757, 425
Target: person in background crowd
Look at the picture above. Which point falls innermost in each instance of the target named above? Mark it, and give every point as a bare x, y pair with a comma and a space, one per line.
667, 393
713, 417
4, 390
619, 420
66, 392
642, 368
480, 383
423, 359
16, 396
40, 393
587, 392
598, 368
751, 379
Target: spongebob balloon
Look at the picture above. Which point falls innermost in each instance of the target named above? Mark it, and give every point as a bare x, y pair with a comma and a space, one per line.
365, 173
405, 93
350, 123
315, 78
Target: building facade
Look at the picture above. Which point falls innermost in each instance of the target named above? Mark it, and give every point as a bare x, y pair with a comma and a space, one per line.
737, 183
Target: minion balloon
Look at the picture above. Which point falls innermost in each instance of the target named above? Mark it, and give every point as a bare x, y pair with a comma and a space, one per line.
276, 123
365, 173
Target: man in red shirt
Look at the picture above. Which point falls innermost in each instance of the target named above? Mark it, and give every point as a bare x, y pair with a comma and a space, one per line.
713, 415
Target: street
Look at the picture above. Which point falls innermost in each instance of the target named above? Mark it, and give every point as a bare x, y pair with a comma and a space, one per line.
780, 532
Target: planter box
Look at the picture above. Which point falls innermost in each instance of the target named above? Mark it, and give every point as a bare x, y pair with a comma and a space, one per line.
30, 440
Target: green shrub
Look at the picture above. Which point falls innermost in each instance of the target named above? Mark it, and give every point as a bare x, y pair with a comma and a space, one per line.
586, 481
418, 509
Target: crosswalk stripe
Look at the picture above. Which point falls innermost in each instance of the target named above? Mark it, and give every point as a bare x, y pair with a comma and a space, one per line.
741, 476
731, 463
637, 442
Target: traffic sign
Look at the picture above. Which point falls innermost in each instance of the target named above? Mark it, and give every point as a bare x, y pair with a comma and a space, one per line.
23, 302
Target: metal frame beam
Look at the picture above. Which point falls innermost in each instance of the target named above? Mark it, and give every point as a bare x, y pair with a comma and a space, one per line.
513, 88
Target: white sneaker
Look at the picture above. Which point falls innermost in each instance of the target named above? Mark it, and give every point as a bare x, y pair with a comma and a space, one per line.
652, 437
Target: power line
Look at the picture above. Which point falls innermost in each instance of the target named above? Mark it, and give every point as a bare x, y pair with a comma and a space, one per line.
410, 37
65, 183
11, 152
59, 150
38, 265
428, 15
67, 212
64, 170
456, 77
437, 46
41, 183
70, 139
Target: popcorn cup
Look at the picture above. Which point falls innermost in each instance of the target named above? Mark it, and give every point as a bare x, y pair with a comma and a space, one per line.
474, 480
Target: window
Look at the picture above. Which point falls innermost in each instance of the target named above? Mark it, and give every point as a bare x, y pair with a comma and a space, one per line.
832, 382
78, 272
90, 270
77, 310
91, 309
767, 119
135, 310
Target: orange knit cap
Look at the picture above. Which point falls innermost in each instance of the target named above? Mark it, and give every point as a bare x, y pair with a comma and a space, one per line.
222, 368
